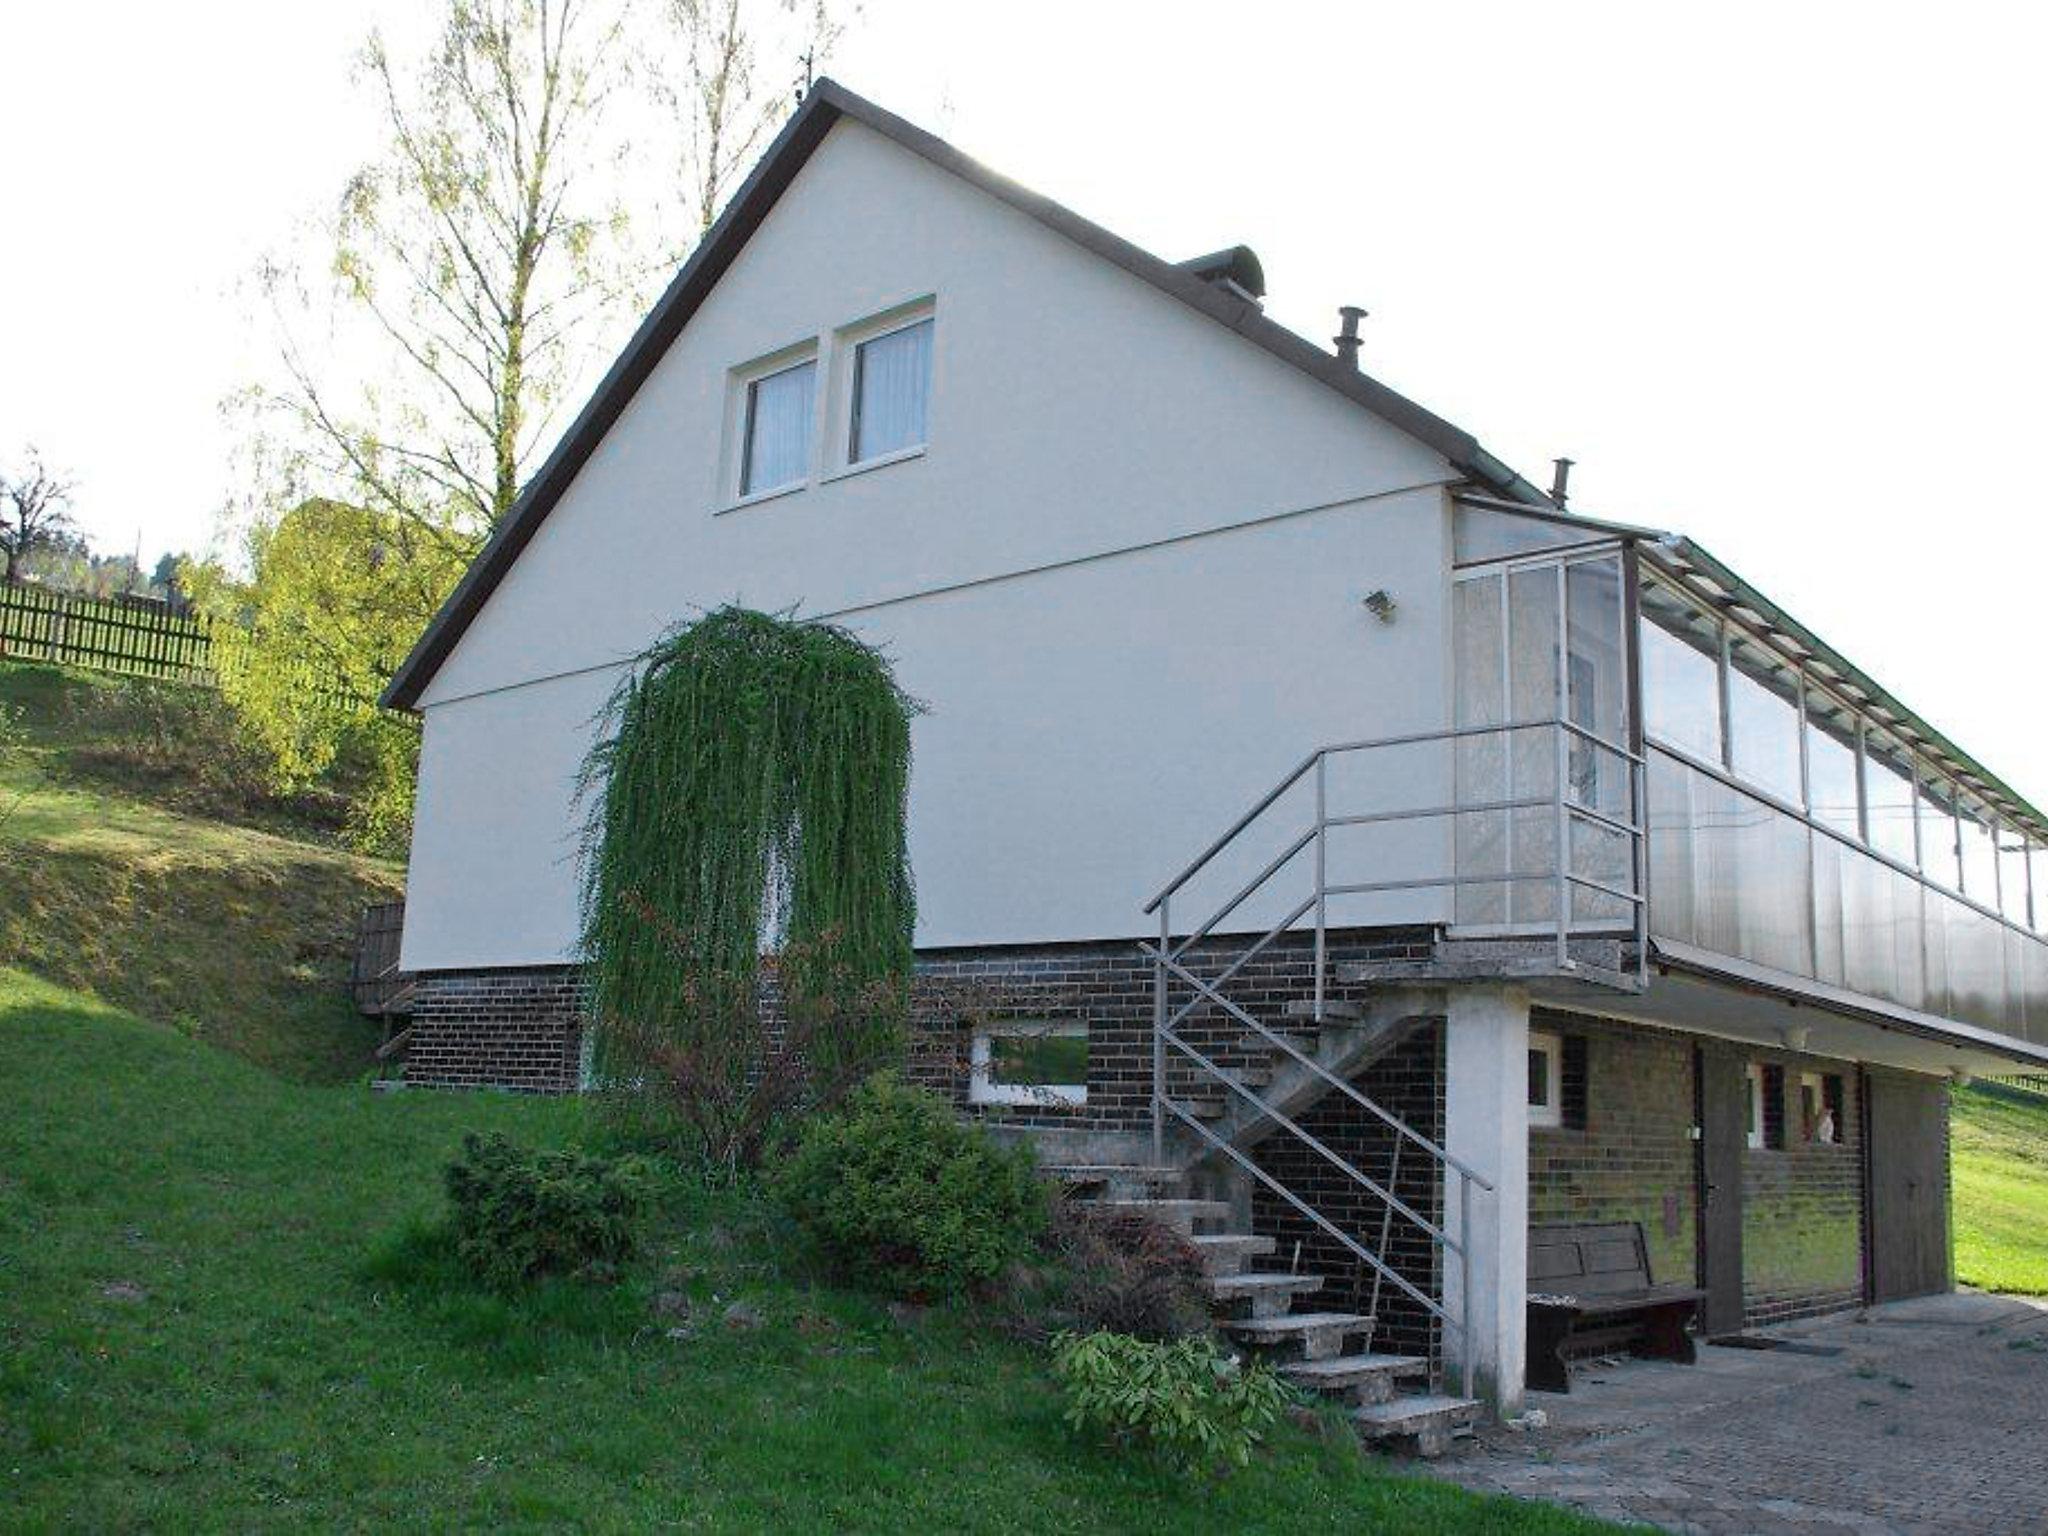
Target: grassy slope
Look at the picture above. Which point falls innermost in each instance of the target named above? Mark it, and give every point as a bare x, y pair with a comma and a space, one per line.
2001, 1189
189, 1335
236, 935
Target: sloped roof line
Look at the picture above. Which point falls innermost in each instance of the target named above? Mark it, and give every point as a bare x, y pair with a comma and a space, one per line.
826, 103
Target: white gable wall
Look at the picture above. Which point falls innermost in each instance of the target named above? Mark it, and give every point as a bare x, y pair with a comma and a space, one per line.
1126, 577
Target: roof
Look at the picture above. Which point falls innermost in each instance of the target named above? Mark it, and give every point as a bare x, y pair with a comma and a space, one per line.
826, 104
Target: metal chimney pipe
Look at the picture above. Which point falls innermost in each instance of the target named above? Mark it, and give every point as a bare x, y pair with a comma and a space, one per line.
1347, 339
1560, 477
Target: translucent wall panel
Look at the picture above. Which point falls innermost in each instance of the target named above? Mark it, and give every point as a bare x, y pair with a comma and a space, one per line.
1681, 676
1479, 619
1763, 722
1979, 853
2012, 875
1888, 796
1533, 635
1941, 854
1831, 777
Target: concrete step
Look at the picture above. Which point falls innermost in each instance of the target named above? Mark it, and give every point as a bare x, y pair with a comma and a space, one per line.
1126, 1181
1333, 1012
1311, 1335
1365, 1379
1181, 1215
1268, 1295
1201, 1109
1426, 1422
1224, 1253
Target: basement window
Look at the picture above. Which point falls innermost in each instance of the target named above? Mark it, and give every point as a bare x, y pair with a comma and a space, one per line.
1546, 1081
1029, 1062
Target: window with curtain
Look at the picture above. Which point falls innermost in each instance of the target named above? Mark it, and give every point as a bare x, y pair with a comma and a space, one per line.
777, 448
892, 384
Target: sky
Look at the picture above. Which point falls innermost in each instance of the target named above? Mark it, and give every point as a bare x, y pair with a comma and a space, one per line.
1774, 275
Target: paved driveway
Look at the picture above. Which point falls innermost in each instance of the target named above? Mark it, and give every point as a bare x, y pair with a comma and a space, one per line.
1922, 1416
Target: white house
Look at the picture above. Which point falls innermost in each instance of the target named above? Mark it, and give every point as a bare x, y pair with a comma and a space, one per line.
1146, 556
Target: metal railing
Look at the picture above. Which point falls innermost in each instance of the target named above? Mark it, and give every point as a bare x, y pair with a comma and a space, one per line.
1171, 956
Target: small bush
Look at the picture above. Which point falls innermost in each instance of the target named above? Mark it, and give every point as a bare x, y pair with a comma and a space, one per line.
899, 1194
1120, 1272
1184, 1401
520, 1214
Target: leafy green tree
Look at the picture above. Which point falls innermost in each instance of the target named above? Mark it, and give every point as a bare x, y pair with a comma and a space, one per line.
305, 644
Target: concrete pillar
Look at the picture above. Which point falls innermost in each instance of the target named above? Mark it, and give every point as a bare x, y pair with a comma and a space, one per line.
1486, 1126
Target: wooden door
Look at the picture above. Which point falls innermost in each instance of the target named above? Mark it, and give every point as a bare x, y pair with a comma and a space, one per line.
1906, 1210
1722, 1090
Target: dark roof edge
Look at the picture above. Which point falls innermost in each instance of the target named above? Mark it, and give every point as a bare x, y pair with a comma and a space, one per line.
825, 104
1677, 553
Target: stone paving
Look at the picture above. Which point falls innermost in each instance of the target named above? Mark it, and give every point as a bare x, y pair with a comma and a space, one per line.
1923, 1416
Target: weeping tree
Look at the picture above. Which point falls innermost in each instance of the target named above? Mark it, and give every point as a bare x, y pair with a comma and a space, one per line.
747, 900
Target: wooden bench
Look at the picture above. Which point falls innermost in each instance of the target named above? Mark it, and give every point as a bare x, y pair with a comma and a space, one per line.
1590, 1291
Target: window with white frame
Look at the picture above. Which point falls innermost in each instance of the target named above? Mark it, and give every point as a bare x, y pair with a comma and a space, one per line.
1546, 1080
776, 430
890, 392
1755, 1128
1029, 1061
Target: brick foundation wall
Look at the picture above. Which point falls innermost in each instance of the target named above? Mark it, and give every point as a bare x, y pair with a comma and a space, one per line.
515, 1029
1409, 1083
1634, 1159
1109, 986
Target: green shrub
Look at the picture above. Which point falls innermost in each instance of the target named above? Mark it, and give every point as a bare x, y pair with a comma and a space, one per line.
1184, 1401
520, 1213
899, 1194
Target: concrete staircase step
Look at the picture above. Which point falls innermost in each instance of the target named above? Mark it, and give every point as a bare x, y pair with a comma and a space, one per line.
1201, 1109
1268, 1295
1333, 1012
1427, 1421
1366, 1379
1224, 1253
1181, 1215
1130, 1181
1314, 1335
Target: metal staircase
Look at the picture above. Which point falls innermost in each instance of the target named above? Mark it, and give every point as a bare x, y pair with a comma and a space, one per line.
1231, 1071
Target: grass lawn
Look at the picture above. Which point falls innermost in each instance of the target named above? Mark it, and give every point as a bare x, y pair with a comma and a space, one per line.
205, 1322
2000, 1151
234, 934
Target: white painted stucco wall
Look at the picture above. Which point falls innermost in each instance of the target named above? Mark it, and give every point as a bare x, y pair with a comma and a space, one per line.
1126, 577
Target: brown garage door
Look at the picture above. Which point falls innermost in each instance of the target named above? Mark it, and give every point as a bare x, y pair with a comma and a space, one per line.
1908, 1186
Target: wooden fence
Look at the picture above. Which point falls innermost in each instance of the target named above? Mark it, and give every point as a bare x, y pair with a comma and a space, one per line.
148, 640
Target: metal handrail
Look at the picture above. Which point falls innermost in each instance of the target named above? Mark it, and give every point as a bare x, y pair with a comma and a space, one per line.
1169, 951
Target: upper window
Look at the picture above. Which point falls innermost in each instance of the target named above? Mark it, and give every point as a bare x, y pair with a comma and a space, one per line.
1681, 675
892, 386
776, 450
1546, 1080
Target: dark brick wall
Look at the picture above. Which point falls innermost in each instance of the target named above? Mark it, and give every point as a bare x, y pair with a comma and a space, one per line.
1408, 1083
1633, 1160
1802, 1207
1109, 987
517, 1029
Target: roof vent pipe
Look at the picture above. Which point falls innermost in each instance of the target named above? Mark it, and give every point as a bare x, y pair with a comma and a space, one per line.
1560, 477
1347, 338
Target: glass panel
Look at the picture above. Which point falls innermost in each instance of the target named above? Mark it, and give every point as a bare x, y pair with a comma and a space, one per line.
1763, 722
892, 378
1681, 675
1479, 621
778, 444
1039, 1059
1532, 755
2012, 875
1831, 765
2037, 869
1671, 850
1888, 793
1539, 1077
1596, 681
1980, 856
1480, 534
1941, 854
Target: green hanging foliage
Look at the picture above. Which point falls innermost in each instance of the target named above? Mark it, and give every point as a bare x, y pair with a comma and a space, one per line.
747, 803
